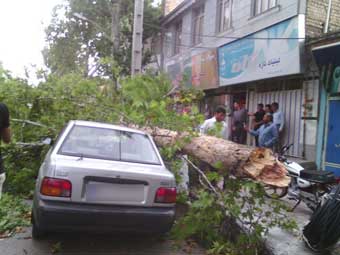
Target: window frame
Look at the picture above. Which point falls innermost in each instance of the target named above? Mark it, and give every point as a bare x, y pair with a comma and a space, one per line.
221, 15
262, 6
198, 24
178, 37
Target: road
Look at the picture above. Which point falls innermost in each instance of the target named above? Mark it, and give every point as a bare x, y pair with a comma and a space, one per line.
281, 243
90, 244
86, 244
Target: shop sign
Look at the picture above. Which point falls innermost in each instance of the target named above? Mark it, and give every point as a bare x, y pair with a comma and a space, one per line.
335, 86
265, 54
180, 72
204, 70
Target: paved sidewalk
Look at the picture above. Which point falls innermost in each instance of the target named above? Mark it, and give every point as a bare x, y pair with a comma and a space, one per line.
285, 243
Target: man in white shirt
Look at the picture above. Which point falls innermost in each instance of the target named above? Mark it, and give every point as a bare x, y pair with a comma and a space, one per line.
216, 125
278, 118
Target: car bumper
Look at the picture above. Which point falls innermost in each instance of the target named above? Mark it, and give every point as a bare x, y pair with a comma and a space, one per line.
52, 215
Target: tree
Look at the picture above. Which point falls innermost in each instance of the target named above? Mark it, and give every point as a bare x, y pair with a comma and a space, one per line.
79, 38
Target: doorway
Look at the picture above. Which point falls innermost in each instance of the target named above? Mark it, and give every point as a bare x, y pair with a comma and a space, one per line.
332, 151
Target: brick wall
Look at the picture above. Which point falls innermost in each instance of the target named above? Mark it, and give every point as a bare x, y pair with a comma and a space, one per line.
316, 17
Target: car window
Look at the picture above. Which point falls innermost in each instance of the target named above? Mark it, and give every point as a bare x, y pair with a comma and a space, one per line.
137, 148
103, 143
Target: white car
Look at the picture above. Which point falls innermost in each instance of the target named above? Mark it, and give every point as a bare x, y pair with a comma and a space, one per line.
103, 177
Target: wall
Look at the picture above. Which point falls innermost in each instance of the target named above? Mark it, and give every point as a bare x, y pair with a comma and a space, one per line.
316, 16
242, 23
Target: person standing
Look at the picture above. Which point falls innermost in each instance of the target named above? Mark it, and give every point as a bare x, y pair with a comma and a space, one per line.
239, 119
268, 109
5, 135
278, 119
216, 125
267, 133
258, 118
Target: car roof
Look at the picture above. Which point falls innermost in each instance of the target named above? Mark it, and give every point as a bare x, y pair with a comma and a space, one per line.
105, 125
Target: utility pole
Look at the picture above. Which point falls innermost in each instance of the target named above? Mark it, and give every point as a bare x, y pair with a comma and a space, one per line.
137, 38
115, 26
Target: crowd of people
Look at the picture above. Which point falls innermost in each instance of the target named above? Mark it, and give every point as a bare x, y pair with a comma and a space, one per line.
267, 124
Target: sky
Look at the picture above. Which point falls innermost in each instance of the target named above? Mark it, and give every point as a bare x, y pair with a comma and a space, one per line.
22, 38
22, 24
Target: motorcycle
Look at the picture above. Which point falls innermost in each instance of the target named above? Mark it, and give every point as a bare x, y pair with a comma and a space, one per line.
308, 186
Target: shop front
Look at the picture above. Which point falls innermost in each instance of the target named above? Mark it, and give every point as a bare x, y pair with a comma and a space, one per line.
328, 61
266, 67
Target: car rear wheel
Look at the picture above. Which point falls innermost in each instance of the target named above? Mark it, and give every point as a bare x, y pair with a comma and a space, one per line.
37, 232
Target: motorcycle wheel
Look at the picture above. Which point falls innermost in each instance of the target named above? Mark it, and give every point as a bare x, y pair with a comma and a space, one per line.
275, 192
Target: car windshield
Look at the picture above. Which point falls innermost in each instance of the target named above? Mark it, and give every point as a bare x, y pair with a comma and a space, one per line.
110, 144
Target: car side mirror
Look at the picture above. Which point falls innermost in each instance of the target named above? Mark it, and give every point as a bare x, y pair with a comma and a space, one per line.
47, 141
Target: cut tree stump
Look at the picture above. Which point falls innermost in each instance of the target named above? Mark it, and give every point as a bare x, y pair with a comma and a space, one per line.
240, 160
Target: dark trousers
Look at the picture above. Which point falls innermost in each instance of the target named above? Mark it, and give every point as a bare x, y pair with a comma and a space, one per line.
257, 141
239, 135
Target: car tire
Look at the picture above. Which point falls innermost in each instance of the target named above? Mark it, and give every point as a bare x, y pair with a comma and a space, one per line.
37, 232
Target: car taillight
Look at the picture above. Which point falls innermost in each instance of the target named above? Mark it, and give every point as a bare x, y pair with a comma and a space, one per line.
165, 195
56, 187
337, 179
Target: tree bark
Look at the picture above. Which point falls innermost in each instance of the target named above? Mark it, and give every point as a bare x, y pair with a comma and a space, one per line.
240, 160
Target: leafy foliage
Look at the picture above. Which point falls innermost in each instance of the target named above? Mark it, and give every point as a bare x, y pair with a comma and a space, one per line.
79, 38
13, 213
235, 220
143, 100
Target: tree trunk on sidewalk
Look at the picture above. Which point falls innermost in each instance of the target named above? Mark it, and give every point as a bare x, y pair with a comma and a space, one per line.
240, 160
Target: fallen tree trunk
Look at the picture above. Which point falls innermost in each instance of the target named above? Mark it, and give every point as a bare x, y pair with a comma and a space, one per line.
240, 160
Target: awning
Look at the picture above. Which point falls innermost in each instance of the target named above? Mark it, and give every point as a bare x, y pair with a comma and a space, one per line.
327, 54
327, 58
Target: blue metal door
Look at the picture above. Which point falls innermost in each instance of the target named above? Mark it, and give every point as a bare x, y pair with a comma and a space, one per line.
333, 138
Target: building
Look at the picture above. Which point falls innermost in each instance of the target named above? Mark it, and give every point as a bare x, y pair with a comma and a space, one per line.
254, 51
326, 52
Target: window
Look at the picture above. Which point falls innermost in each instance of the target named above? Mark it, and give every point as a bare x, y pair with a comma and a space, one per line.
198, 25
178, 37
224, 10
263, 5
109, 144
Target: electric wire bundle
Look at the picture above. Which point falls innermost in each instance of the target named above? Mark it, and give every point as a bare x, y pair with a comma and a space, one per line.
323, 231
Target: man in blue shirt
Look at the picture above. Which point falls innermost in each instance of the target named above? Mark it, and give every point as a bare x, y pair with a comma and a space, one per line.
267, 133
